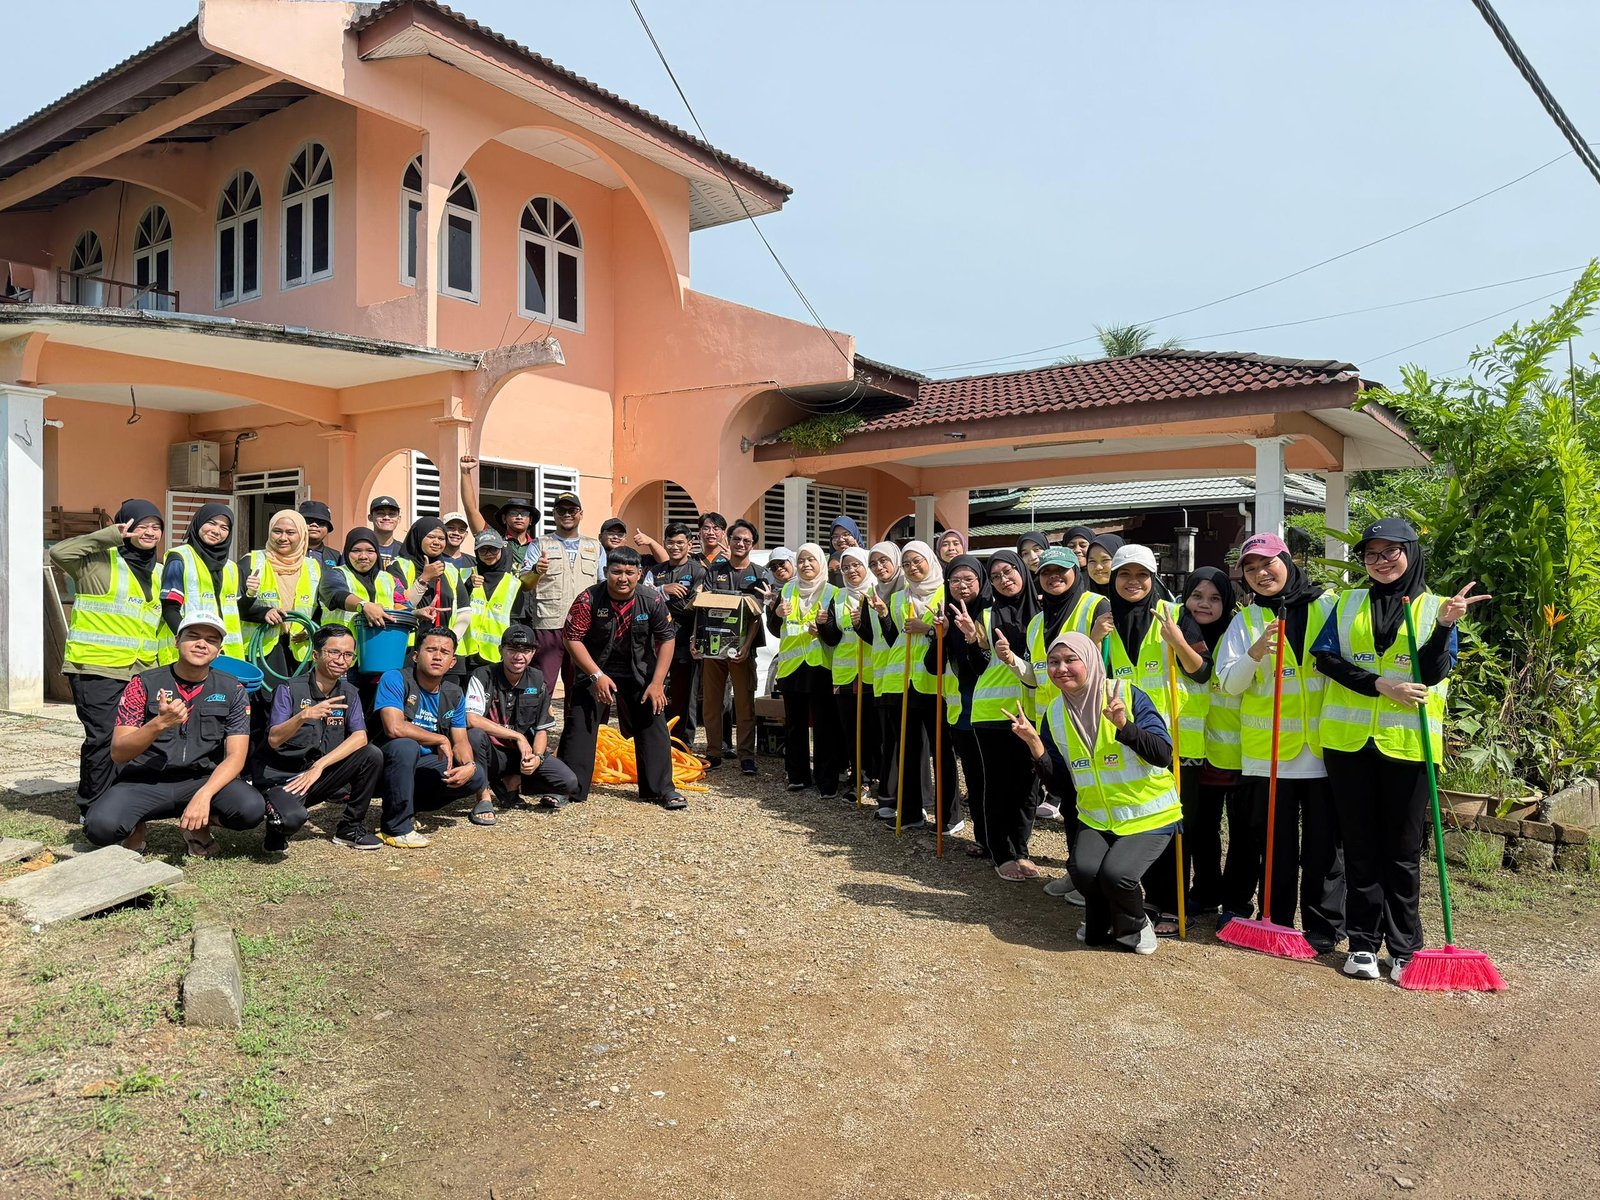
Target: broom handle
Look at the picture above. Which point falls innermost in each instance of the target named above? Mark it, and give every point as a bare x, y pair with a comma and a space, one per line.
900, 753
938, 745
1177, 784
1433, 780
860, 653
1272, 780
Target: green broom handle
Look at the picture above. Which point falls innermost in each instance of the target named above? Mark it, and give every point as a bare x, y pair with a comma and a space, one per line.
1433, 780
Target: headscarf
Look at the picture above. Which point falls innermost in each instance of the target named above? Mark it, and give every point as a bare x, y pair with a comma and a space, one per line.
286, 567
215, 558
1013, 613
1084, 706
368, 578
135, 511
920, 593
1387, 600
850, 527
809, 592
1110, 543
491, 573
1132, 617
896, 581
1038, 537
985, 597
1078, 531
1218, 579
855, 595
420, 528
1057, 609
960, 537
1298, 594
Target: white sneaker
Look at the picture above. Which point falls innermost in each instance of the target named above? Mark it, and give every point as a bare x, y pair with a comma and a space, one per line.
1361, 964
1396, 967
885, 814
1047, 812
1147, 939
1083, 932
955, 829
406, 841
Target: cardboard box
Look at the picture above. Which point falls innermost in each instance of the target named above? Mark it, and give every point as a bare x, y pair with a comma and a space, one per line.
724, 622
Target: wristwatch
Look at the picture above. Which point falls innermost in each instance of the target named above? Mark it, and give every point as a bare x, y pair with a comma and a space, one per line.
595, 678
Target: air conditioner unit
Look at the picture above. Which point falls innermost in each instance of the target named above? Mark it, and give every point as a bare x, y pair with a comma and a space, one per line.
193, 465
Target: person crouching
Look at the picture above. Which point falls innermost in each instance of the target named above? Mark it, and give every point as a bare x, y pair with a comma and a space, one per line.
509, 723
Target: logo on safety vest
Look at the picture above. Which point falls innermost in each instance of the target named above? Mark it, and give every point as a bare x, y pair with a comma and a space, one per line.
1289, 672
1124, 672
1152, 665
1110, 759
1080, 764
1402, 660
1362, 657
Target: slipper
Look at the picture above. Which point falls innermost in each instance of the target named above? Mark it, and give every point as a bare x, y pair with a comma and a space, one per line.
1167, 925
976, 851
1016, 872
483, 813
201, 846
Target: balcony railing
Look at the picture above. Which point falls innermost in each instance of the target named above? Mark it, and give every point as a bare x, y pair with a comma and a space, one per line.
96, 291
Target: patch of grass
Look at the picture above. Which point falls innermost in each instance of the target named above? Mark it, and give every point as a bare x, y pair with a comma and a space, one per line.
232, 883
1483, 856
86, 1014
1594, 857
242, 1119
35, 827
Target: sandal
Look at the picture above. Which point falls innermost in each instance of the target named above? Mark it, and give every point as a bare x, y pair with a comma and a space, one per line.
200, 845
1016, 871
483, 813
976, 851
1167, 925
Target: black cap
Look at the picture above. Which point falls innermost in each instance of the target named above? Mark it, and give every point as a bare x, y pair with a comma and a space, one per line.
517, 502
614, 523
518, 635
567, 498
384, 502
1390, 529
316, 510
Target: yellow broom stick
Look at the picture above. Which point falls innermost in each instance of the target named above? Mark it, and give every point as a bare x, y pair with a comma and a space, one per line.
1177, 783
900, 752
938, 745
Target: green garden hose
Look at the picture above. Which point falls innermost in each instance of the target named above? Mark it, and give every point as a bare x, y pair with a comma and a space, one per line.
257, 657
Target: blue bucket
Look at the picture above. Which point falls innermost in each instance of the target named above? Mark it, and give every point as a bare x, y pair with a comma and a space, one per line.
380, 650
246, 673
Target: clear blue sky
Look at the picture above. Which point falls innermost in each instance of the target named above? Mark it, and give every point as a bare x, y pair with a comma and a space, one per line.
977, 181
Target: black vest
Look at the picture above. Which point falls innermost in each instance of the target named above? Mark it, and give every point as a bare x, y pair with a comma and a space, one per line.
449, 701
314, 738
194, 748
516, 706
640, 640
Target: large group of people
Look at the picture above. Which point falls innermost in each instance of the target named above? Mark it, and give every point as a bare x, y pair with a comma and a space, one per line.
935, 685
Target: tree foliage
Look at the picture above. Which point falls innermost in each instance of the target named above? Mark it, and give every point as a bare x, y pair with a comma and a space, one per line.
1124, 341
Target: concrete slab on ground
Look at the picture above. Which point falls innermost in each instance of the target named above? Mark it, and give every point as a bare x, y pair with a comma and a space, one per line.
16, 849
87, 884
213, 990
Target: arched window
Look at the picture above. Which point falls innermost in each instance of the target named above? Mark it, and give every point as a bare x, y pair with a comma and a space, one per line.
152, 260
87, 269
308, 217
239, 241
460, 249
410, 220
552, 263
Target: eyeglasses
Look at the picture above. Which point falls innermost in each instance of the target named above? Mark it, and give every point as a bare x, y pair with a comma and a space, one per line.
339, 654
1390, 555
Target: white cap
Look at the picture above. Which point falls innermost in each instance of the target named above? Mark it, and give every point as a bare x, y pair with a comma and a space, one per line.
780, 554
202, 620
1132, 554
456, 516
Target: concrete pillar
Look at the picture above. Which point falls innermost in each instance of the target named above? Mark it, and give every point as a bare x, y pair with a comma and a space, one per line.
795, 514
922, 520
451, 440
1336, 513
1269, 484
349, 510
22, 548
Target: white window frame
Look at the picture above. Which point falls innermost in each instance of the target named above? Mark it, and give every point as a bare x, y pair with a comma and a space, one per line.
236, 223
470, 215
427, 491
411, 240
551, 248
824, 502
149, 255
678, 505
305, 198
87, 292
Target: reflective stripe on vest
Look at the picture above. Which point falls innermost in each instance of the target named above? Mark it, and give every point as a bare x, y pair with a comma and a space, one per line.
1194, 703
1116, 789
888, 660
270, 595
997, 689
1302, 694
922, 679
1079, 620
491, 617
1149, 674
119, 627
797, 644
851, 652
1349, 719
385, 598
1222, 728
199, 597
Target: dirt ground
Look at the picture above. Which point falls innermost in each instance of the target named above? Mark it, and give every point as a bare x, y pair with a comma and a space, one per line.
766, 995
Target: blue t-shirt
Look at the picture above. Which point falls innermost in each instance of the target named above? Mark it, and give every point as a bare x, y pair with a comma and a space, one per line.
392, 694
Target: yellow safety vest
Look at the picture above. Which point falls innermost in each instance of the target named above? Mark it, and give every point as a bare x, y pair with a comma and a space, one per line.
922, 679
1350, 720
997, 690
1149, 673
1079, 620
198, 596
851, 652
797, 644
491, 617
119, 627
270, 594
385, 585
1302, 694
1117, 790
1222, 728
888, 658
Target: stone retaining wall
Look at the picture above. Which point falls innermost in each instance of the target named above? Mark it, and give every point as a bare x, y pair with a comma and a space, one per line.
1562, 843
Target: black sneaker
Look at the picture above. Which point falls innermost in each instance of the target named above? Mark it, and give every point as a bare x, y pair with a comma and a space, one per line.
747, 765
674, 802
713, 763
275, 840
356, 839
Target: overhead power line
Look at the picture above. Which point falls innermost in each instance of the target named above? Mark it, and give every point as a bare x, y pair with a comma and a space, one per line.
1424, 341
1557, 114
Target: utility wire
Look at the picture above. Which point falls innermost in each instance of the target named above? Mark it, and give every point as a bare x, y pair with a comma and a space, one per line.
716, 157
1271, 282
1557, 114
1413, 345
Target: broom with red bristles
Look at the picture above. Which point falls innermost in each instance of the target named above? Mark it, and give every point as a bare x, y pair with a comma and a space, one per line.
1451, 968
1282, 941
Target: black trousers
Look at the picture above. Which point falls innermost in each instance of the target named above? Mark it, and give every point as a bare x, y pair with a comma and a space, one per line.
680, 692
356, 777
1307, 861
888, 720
923, 715
96, 699
414, 782
1203, 806
809, 710
844, 701
651, 742
1383, 811
551, 777
1001, 798
116, 811
1109, 869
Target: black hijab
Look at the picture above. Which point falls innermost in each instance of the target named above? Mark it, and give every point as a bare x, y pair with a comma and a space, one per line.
985, 596
214, 557
1388, 599
1218, 579
130, 514
1132, 617
491, 574
1013, 613
1299, 592
1110, 543
1077, 531
353, 539
420, 528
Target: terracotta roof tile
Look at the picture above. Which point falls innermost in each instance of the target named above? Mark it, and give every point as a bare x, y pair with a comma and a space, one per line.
1102, 383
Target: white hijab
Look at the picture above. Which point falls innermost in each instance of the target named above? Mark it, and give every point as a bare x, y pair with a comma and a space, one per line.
921, 594
856, 595
896, 581
808, 592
